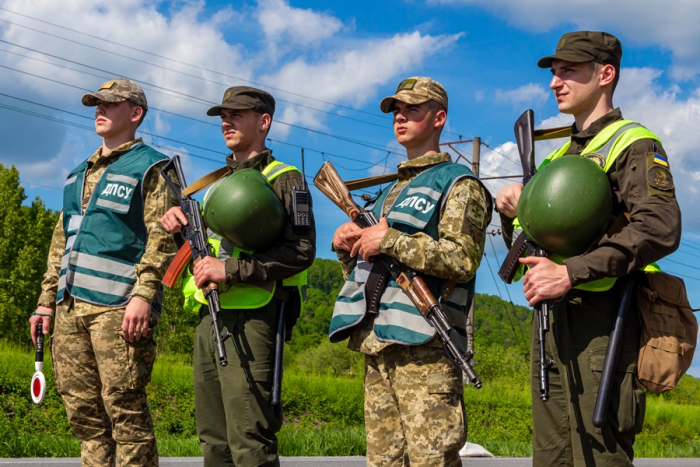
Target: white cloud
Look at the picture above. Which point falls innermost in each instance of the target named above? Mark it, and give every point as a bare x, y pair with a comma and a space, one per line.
353, 75
670, 24
530, 93
287, 27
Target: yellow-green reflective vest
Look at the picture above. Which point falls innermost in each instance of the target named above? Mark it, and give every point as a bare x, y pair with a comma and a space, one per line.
604, 149
243, 296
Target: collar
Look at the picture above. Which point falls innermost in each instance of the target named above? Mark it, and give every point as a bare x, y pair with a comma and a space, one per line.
409, 169
257, 162
583, 137
118, 151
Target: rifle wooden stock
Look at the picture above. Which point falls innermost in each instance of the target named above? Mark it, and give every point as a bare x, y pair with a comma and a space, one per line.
179, 263
330, 184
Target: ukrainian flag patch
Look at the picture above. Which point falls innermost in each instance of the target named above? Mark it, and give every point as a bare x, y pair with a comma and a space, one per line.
661, 160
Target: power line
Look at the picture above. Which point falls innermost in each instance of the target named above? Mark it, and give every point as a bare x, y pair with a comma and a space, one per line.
193, 66
341, 138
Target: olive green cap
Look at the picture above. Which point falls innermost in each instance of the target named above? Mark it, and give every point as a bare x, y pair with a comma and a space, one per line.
586, 46
243, 98
416, 90
117, 90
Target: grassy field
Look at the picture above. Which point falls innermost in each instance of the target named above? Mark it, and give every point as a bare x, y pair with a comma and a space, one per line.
323, 415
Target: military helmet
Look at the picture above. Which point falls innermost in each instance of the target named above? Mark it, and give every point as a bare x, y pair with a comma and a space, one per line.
244, 209
567, 205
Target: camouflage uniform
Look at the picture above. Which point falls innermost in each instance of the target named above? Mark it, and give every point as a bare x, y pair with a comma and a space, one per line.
413, 394
102, 377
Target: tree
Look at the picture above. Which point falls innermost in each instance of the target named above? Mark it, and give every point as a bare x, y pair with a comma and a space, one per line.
24, 246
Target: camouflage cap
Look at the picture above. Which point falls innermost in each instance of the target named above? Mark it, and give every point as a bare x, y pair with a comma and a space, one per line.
117, 90
245, 97
416, 90
586, 46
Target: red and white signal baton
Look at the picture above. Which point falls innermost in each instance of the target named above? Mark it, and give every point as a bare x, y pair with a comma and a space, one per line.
38, 386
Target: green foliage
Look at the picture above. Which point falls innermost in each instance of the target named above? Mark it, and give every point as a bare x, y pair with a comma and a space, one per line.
501, 323
24, 244
330, 358
504, 366
686, 392
175, 331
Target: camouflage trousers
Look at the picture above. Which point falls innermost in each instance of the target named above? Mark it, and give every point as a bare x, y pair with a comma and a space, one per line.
102, 379
414, 408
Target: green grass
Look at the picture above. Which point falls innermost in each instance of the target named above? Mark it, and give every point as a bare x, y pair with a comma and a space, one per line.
323, 414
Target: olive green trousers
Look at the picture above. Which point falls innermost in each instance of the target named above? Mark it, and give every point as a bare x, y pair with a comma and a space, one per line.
235, 422
563, 431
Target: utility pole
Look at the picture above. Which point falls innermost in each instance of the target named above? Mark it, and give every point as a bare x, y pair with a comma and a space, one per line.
476, 152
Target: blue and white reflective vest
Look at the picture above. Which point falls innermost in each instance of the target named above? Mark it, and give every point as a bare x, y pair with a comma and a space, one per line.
106, 241
416, 209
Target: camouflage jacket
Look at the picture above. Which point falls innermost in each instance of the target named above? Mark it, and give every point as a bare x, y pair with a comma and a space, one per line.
160, 248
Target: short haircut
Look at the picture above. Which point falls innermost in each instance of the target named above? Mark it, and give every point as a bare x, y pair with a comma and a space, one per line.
595, 66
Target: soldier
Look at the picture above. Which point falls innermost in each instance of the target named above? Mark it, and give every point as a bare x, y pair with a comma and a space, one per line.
235, 420
107, 257
433, 219
586, 69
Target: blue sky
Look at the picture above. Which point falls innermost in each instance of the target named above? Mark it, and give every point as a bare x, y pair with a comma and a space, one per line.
329, 64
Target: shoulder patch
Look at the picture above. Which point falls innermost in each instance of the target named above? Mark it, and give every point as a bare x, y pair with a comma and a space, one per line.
476, 213
659, 175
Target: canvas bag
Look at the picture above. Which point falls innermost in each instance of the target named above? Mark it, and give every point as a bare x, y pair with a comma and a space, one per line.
669, 331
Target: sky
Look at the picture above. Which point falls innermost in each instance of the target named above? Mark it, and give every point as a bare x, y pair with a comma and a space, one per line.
329, 64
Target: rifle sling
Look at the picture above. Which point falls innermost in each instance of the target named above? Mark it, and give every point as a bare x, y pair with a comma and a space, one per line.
375, 285
361, 183
205, 181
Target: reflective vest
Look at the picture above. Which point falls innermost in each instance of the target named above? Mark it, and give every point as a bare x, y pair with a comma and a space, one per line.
604, 149
416, 209
106, 241
241, 296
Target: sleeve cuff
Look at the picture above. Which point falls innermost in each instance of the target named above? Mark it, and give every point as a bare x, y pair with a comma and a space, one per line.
577, 270
388, 240
144, 292
232, 271
47, 299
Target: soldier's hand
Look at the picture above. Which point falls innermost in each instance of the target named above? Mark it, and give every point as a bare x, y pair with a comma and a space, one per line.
346, 235
173, 220
209, 269
544, 280
45, 321
368, 244
135, 324
507, 199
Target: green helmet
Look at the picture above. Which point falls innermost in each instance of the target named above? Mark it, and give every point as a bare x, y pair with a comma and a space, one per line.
566, 206
245, 209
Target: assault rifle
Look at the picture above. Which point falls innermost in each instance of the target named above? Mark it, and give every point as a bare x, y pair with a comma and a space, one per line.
329, 182
525, 137
195, 249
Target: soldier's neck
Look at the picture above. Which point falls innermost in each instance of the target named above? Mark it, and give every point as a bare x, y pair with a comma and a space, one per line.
586, 118
110, 143
246, 153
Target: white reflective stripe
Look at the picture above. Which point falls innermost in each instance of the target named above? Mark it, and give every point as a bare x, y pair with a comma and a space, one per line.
123, 208
74, 222
362, 271
64, 261
350, 289
83, 260
70, 241
99, 284
435, 195
71, 180
408, 321
123, 178
62, 282
407, 218
459, 296
396, 295
348, 309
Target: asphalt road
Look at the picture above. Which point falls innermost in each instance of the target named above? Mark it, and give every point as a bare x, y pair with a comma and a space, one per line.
342, 462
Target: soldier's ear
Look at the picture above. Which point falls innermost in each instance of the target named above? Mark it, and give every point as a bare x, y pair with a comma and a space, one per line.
440, 118
265, 122
136, 113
